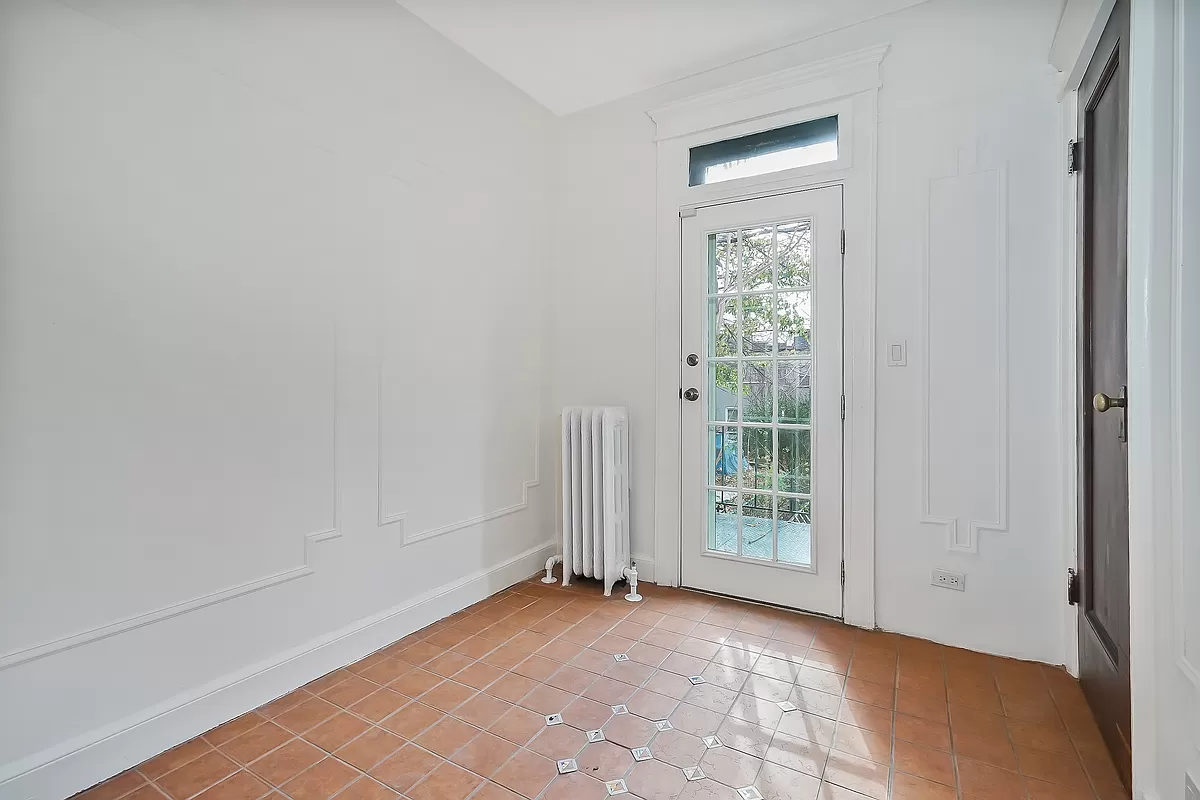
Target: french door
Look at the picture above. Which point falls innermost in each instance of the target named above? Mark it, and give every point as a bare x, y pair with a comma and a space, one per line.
762, 421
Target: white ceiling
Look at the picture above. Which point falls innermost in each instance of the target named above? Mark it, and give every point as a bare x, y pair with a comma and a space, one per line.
573, 54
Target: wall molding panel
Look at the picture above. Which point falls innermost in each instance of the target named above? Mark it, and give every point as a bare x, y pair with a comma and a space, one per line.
133, 622
959, 208
35, 652
383, 518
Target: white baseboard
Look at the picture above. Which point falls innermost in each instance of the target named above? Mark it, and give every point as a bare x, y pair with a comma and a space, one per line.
72, 766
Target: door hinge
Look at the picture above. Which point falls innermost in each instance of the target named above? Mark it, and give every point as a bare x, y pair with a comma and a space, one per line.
843, 574
843, 408
843, 241
1072, 587
1073, 164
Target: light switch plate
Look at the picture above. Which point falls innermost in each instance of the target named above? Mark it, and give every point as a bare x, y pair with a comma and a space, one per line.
897, 353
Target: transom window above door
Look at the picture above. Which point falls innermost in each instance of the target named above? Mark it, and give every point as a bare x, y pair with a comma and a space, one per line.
799, 145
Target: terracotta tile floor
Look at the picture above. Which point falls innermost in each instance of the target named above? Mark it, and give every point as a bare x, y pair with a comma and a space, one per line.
460, 710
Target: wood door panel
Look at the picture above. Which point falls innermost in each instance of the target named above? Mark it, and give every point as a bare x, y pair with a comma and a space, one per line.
1103, 367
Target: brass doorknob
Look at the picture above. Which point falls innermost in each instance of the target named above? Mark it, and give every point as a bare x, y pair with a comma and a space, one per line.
1102, 402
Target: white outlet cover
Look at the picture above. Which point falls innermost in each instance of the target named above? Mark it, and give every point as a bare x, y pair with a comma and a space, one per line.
897, 353
945, 579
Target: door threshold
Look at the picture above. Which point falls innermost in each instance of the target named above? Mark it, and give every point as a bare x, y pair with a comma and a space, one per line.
776, 606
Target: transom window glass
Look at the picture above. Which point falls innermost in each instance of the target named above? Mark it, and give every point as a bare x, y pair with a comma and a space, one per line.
799, 145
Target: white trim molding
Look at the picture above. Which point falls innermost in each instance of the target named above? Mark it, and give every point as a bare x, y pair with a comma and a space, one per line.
807, 84
398, 518
848, 87
72, 766
1184, 363
1075, 39
135, 621
958, 538
1068, 357
1165, 704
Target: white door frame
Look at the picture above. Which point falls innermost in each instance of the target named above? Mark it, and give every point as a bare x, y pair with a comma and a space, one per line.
847, 86
1164, 675
1074, 42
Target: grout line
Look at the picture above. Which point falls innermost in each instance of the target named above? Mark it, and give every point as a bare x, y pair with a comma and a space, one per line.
609, 622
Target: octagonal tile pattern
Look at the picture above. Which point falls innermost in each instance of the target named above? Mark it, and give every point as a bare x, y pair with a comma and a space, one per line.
457, 711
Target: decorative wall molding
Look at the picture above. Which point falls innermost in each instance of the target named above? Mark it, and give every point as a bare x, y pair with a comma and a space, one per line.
806, 84
72, 766
398, 518
958, 537
136, 621
167, 612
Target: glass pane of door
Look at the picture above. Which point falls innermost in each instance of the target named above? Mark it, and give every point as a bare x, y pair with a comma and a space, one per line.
759, 368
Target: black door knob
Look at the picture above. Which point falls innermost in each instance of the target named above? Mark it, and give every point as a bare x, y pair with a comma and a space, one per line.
691, 394
692, 359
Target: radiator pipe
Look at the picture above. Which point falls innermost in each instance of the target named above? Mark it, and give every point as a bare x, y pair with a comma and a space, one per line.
550, 562
630, 574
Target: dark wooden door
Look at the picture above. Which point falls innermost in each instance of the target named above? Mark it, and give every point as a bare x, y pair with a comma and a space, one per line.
1103, 434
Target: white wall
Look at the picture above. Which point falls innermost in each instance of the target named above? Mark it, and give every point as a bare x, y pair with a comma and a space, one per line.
966, 88
270, 274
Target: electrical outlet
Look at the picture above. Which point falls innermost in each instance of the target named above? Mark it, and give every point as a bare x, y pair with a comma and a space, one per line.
949, 580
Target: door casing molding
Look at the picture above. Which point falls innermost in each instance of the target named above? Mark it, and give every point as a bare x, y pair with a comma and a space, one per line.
848, 86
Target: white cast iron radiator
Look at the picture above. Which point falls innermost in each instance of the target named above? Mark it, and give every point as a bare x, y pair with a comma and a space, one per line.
595, 497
